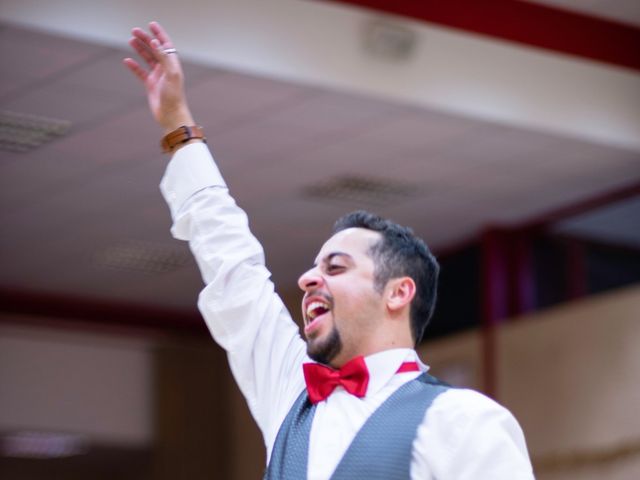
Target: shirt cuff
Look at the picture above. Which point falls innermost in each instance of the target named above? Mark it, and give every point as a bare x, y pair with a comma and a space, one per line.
191, 169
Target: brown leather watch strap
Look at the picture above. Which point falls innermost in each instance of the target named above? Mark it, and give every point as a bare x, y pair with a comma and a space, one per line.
181, 135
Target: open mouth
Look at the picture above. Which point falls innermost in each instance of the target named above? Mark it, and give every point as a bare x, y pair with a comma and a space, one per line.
313, 314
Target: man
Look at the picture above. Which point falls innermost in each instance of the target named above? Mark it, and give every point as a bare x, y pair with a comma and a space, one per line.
366, 301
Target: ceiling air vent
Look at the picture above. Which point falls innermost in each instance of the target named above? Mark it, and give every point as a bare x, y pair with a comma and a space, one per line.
143, 257
362, 191
20, 132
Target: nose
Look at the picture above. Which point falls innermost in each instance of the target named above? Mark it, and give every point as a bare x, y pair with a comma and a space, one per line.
310, 279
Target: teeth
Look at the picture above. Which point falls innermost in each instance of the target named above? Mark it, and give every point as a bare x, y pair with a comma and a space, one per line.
312, 307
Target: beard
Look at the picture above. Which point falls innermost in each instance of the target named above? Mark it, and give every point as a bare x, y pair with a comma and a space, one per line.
323, 351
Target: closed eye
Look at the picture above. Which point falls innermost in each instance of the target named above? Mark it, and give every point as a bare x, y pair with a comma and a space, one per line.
331, 269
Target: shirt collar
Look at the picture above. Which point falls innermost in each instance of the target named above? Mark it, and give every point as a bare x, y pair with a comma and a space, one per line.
384, 365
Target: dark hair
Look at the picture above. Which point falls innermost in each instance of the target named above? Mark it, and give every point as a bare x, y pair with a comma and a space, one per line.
400, 253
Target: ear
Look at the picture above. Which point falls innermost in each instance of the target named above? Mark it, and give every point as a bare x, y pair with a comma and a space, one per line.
400, 293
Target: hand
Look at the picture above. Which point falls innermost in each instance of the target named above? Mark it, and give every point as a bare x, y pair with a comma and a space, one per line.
164, 80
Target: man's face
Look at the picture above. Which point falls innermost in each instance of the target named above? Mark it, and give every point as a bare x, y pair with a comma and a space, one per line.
340, 306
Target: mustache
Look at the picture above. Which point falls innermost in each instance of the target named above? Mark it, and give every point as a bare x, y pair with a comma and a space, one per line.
316, 293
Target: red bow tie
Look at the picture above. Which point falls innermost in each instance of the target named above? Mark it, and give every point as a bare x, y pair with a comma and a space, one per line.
322, 380
353, 376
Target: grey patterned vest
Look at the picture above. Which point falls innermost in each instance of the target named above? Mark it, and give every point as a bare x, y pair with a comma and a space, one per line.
381, 450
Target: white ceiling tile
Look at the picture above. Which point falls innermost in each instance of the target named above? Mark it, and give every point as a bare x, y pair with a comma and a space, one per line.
419, 130
255, 143
497, 145
67, 102
35, 57
236, 99
81, 157
328, 113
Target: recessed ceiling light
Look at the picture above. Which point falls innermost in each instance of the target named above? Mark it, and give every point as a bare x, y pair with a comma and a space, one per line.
20, 132
42, 445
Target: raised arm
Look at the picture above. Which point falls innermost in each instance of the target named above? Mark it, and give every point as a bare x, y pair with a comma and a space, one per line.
239, 304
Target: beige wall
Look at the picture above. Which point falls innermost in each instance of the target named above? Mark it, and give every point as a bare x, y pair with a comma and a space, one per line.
94, 384
570, 375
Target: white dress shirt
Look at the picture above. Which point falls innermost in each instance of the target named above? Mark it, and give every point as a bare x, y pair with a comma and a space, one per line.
464, 435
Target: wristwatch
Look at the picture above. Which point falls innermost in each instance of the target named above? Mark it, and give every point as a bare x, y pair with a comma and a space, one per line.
181, 135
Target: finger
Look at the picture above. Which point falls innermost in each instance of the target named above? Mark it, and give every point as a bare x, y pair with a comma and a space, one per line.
151, 49
169, 61
136, 69
142, 35
157, 50
144, 39
161, 34
145, 51
155, 73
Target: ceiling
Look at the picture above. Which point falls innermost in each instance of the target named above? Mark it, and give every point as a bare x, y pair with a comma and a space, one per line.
82, 215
